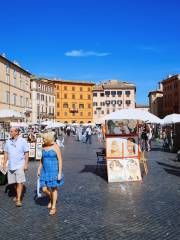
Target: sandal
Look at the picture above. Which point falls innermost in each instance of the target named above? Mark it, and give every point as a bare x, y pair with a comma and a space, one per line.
18, 204
52, 211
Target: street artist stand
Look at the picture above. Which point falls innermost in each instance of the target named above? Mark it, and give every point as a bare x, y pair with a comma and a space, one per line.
123, 152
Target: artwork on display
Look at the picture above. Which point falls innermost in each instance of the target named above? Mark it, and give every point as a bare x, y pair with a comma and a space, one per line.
32, 152
131, 148
39, 140
116, 170
33, 145
120, 147
133, 172
38, 150
116, 127
121, 170
1, 146
2, 135
115, 147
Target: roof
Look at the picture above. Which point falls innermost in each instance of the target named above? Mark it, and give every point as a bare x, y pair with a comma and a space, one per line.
142, 106
79, 82
155, 91
14, 64
171, 78
114, 84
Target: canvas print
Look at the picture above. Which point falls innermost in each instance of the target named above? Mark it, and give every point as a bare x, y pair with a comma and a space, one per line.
115, 147
116, 170
133, 172
131, 147
32, 145
116, 127
31, 153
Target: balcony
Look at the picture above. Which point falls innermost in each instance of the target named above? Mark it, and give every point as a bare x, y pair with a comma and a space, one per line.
73, 110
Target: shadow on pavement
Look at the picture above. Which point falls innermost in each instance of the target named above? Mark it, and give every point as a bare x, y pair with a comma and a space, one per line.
97, 171
42, 201
173, 172
168, 165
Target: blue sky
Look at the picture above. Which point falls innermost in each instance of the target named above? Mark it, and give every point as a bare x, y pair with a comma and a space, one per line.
94, 40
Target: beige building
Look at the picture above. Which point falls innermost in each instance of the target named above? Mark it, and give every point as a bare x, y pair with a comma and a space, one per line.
43, 99
156, 101
15, 87
111, 96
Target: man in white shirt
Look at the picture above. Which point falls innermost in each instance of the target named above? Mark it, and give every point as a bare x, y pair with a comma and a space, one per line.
16, 152
88, 134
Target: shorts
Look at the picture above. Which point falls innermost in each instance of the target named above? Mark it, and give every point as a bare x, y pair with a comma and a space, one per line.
16, 176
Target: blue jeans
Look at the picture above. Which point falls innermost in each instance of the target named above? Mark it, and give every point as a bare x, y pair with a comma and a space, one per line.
88, 137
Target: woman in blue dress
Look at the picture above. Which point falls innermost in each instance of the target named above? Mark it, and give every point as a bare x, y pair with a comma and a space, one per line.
50, 170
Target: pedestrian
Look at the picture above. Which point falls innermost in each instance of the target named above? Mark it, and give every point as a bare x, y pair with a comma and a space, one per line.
50, 170
99, 134
16, 152
88, 134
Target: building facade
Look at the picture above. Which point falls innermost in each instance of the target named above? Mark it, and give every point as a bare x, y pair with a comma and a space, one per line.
111, 96
73, 101
43, 100
156, 103
15, 87
142, 107
171, 95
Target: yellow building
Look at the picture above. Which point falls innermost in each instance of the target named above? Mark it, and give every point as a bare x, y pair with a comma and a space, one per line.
14, 87
73, 101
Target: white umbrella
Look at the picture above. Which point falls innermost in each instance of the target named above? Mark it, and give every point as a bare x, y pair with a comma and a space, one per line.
19, 124
55, 125
134, 114
172, 118
10, 114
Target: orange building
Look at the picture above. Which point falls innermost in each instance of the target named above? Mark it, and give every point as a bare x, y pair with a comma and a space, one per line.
73, 101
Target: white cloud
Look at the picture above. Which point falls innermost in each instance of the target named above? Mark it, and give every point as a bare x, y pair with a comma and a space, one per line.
82, 53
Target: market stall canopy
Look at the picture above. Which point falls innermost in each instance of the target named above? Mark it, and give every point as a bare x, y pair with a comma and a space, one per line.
134, 114
19, 124
50, 124
172, 118
7, 114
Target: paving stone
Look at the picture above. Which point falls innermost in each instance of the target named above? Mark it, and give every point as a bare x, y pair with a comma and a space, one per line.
90, 208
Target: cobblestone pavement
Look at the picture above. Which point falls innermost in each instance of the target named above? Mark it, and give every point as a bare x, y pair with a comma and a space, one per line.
90, 208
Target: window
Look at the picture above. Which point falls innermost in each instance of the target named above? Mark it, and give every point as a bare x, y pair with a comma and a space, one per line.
89, 105
57, 95
107, 93
81, 96
65, 88
108, 111
73, 105
102, 112
94, 94
81, 89
113, 93
128, 102
89, 114
114, 110
38, 96
7, 97
7, 68
127, 93
27, 102
81, 114
7, 78
89, 97
73, 88
49, 99
119, 93
65, 96
65, 113
95, 112
73, 113
107, 102
119, 102
21, 101
102, 104
81, 106
14, 99
95, 103
102, 94
65, 105
89, 89
57, 105
57, 87
42, 97
49, 109
113, 102
58, 114
73, 96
